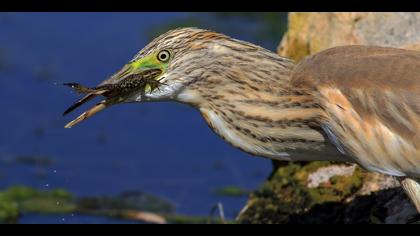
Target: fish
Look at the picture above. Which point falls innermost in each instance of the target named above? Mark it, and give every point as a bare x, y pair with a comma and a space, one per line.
113, 92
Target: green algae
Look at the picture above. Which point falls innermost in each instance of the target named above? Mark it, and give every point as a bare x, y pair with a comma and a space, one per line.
19, 199
130, 200
9, 209
231, 191
182, 219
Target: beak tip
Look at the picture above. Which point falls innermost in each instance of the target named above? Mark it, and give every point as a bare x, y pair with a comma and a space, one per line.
68, 125
97, 108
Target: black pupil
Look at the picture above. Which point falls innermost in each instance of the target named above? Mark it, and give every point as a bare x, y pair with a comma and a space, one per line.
163, 56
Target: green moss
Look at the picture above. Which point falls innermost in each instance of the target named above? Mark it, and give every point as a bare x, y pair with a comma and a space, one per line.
181, 219
49, 205
231, 191
9, 211
131, 200
286, 197
19, 199
20, 193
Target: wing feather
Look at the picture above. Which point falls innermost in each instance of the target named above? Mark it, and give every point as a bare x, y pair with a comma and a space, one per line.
379, 81
369, 93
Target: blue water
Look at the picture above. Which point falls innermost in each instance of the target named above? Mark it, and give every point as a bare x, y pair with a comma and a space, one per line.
164, 149
71, 219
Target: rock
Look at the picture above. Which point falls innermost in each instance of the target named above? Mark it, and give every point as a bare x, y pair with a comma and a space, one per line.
309, 33
322, 192
324, 174
342, 198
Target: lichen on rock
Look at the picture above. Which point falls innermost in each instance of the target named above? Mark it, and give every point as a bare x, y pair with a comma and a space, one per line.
286, 198
309, 33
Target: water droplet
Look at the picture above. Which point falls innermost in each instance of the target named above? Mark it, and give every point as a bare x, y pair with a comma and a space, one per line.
54, 171
55, 83
47, 185
63, 219
58, 203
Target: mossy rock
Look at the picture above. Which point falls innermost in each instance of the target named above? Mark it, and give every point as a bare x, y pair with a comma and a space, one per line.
286, 196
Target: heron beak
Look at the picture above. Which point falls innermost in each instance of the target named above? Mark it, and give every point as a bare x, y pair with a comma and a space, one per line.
93, 110
120, 87
85, 115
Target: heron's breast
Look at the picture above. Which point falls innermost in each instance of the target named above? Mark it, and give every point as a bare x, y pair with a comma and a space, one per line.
368, 139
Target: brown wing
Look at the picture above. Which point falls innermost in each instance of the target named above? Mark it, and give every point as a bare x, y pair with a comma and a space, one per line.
376, 80
371, 96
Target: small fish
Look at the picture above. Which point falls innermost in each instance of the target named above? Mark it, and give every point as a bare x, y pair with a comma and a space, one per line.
114, 93
91, 93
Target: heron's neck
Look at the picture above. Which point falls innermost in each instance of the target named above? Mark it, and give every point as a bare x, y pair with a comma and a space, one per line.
263, 117
265, 127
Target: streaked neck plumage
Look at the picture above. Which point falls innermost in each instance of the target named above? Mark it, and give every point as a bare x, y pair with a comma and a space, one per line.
253, 106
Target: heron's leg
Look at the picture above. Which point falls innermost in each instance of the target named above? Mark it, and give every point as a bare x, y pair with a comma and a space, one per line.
412, 188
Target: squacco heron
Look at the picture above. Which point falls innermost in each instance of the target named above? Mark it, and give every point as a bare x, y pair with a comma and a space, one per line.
351, 103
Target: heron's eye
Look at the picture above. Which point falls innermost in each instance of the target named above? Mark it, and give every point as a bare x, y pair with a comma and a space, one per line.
163, 56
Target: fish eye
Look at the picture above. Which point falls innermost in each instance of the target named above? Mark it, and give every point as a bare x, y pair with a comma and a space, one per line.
163, 55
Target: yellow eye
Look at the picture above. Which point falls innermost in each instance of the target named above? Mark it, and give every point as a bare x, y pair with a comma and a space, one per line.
163, 56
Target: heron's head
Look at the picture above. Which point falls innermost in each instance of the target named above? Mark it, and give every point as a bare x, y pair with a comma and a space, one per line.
187, 65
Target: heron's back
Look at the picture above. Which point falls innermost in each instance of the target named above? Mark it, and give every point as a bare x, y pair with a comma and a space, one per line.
371, 99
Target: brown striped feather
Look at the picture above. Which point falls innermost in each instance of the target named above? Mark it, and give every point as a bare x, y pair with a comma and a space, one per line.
371, 100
